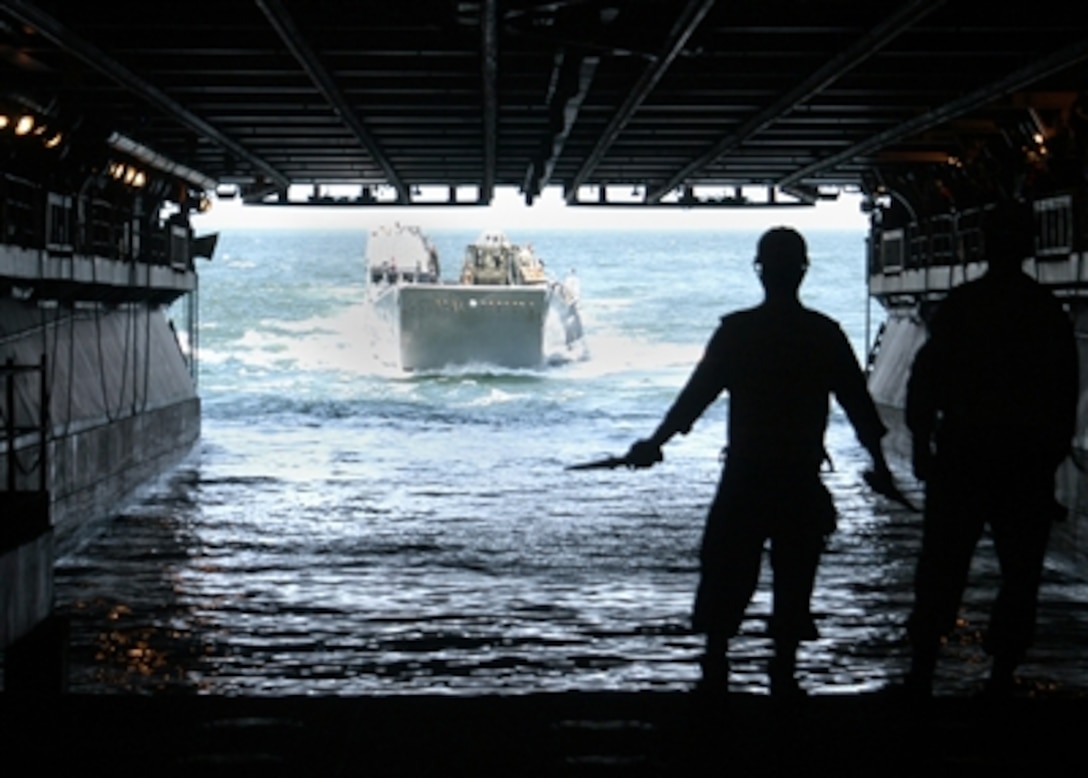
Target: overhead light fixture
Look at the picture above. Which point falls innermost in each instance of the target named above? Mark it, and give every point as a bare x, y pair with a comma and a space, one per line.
5, 120
24, 125
157, 161
127, 174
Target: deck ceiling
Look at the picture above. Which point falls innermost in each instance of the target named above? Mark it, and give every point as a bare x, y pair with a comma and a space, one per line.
660, 97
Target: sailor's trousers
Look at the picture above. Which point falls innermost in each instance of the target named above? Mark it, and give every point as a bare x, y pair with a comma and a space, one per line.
1018, 508
754, 508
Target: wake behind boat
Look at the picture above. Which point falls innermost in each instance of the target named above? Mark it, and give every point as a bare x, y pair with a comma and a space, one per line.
496, 313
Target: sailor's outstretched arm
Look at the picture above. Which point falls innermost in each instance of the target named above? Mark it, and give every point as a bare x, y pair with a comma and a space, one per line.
647, 451
853, 395
703, 387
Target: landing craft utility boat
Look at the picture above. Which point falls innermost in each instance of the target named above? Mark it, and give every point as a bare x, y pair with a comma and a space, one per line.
496, 313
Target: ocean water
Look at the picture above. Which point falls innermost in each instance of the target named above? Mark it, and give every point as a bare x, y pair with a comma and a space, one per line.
345, 528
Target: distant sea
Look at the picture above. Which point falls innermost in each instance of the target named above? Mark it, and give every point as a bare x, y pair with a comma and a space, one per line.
346, 528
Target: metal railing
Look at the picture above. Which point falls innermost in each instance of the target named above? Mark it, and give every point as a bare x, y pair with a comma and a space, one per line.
13, 429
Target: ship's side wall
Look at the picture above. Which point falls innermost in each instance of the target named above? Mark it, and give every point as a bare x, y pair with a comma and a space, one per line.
901, 335
900, 338
97, 469
122, 406
96, 396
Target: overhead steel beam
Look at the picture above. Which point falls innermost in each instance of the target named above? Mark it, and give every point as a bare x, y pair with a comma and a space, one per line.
295, 42
1018, 79
694, 13
489, 70
863, 48
95, 58
571, 78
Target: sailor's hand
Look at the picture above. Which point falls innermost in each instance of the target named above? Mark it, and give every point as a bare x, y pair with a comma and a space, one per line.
880, 480
644, 453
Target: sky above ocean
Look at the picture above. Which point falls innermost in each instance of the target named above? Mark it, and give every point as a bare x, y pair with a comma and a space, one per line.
508, 210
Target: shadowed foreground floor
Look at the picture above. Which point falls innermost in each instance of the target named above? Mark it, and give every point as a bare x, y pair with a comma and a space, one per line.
552, 734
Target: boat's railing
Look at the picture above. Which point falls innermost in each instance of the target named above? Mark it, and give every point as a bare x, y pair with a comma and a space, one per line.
385, 275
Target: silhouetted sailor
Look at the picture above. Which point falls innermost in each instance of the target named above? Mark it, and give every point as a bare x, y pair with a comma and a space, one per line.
780, 362
991, 405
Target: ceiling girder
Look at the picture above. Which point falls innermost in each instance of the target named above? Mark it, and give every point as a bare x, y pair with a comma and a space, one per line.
863, 48
689, 20
295, 42
572, 77
655, 96
489, 71
95, 58
1017, 79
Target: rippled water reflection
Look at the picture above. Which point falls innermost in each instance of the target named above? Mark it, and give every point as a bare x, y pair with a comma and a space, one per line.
227, 582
